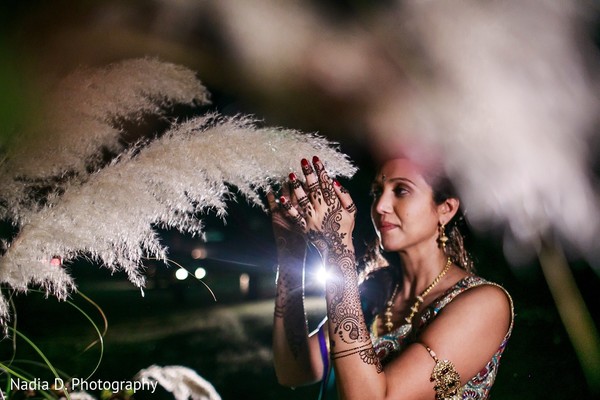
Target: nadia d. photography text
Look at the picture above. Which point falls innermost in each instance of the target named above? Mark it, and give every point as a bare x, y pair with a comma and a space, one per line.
77, 384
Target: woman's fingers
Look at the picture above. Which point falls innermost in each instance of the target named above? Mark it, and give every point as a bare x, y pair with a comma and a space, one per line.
344, 197
273, 206
292, 212
313, 189
272, 201
302, 201
325, 182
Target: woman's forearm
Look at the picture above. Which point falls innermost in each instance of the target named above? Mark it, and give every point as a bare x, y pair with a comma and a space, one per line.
296, 359
358, 369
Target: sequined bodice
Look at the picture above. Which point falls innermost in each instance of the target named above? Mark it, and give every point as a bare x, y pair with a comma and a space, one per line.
390, 344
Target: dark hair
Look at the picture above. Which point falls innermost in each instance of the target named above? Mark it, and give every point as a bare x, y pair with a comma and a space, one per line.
443, 189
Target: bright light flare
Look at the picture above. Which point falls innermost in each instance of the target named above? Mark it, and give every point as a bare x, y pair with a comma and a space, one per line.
200, 273
181, 274
322, 275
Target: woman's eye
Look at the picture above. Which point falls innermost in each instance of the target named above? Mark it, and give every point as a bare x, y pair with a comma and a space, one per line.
400, 191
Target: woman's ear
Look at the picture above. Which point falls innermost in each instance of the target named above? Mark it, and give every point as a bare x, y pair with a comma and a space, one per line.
448, 209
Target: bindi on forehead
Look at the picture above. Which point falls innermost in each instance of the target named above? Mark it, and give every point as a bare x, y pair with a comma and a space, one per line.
400, 168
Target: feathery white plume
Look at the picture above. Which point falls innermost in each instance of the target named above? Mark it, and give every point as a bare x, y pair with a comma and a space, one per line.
508, 99
110, 216
81, 395
515, 120
187, 171
79, 122
183, 382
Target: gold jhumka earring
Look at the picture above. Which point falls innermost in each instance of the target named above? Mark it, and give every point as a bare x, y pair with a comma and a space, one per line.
442, 237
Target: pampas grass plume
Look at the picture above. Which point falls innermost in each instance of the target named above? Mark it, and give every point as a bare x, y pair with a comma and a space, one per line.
169, 182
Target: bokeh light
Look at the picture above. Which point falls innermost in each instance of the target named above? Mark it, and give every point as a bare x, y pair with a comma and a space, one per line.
181, 274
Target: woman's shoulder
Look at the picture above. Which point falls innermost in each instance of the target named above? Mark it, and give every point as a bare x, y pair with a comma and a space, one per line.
474, 305
474, 295
485, 294
474, 285
473, 327
478, 297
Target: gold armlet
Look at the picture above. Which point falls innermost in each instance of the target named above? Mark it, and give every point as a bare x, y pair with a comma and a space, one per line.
446, 379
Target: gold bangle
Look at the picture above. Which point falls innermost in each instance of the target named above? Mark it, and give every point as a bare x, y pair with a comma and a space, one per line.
446, 379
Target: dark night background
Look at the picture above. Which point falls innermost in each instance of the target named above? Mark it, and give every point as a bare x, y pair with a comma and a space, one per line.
227, 341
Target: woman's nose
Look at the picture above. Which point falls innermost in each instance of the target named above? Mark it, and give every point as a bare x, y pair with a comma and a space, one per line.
382, 205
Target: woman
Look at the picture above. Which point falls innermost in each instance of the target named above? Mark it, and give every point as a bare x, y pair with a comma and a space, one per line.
441, 331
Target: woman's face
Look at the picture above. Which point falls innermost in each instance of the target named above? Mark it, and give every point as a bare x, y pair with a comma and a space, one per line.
403, 211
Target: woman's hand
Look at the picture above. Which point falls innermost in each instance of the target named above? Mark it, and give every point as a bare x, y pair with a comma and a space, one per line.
296, 356
321, 208
289, 238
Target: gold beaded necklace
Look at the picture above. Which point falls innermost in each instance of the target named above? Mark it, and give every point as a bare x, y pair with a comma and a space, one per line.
389, 325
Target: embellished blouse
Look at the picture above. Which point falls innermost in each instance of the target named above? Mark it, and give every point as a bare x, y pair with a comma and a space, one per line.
389, 345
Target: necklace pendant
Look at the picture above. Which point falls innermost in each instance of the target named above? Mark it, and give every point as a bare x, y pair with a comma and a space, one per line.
388, 313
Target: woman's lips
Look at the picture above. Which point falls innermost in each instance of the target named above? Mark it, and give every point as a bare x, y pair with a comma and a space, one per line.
384, 227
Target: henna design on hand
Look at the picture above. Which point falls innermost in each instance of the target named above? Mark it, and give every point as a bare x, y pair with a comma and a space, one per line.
296, 184
327, 190
365, 352
344, 308
306, 168
289, 300
289, 307
351, 208
303, 202
291, 252
349, 352
285, 204
298, 220
343, 189
368, 356
329, 234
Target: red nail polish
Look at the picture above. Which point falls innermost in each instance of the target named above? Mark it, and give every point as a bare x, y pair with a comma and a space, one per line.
282, 200
304, 162
292, 176
336, 183
315, 159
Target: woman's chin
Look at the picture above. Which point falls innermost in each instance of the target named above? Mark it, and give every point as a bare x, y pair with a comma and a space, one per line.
390, 247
